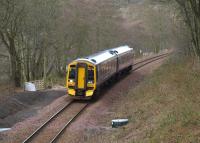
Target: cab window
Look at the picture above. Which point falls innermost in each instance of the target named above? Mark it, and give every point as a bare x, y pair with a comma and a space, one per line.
91, 75
72, 73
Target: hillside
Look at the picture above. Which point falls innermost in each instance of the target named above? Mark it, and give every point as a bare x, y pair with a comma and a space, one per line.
165, 107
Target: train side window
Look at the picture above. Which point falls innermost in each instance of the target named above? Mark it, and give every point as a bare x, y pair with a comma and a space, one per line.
110, 66
107, 66
102, 71
97, 74
108, 69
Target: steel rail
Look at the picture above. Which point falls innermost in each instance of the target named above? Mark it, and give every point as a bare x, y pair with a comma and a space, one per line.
45, 124
150, 59
67, 124
148, 62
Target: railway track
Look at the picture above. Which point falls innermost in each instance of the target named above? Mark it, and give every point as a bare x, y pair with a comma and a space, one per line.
142, 63
54, 127
40, 134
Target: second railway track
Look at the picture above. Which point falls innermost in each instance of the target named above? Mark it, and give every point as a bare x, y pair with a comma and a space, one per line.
142, 63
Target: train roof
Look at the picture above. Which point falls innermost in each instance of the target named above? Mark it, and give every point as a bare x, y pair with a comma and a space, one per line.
105, 55
122, 49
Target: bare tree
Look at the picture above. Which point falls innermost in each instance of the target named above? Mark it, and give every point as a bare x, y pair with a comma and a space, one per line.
191, 11
11, 18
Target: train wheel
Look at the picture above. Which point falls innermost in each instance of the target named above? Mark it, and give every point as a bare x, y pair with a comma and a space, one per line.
96, 95
130, 68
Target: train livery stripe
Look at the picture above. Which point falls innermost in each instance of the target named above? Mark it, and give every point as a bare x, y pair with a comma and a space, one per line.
81, 77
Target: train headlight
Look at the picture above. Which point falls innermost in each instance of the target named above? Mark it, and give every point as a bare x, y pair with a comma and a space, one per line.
71, 80
90, 82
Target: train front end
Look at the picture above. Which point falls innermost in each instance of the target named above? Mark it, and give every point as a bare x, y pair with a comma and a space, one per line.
81, 79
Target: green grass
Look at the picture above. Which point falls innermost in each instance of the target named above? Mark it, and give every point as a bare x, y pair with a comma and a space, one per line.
166, 106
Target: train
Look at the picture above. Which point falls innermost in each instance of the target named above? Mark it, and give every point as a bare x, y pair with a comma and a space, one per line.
86, 76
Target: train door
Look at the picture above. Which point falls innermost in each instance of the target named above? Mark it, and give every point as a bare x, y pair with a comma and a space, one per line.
81, 76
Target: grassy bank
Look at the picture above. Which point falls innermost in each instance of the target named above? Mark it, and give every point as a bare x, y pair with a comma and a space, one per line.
165, 107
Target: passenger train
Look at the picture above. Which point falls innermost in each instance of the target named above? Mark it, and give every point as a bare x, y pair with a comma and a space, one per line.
85, 76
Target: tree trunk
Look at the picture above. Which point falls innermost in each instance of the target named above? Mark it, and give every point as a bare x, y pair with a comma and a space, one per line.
15, 63
16, 71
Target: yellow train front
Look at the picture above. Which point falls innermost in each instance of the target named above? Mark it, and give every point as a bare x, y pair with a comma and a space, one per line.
87, 75
81, 79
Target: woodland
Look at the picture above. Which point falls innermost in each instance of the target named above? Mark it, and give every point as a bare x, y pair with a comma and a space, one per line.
39, 38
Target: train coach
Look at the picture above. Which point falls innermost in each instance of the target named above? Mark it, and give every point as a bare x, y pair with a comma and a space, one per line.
85, 76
